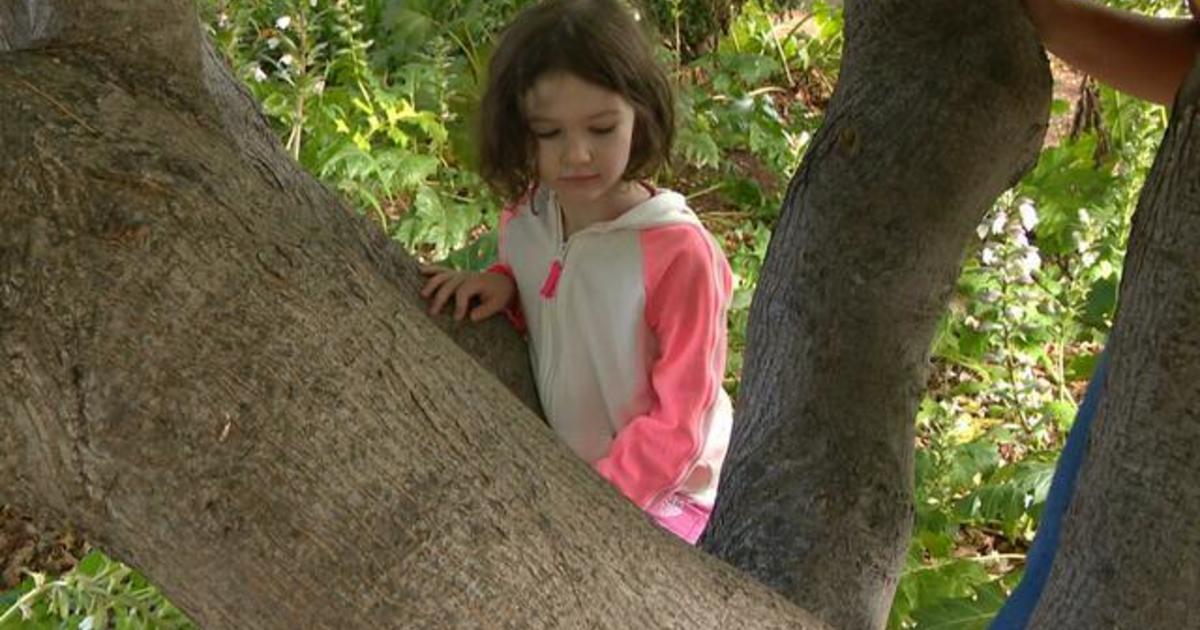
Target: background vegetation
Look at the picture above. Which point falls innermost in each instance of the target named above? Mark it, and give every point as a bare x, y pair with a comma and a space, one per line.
376, 98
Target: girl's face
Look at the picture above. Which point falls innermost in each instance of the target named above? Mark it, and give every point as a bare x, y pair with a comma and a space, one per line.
582, 133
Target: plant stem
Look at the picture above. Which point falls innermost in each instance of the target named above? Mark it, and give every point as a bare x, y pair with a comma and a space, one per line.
26, 600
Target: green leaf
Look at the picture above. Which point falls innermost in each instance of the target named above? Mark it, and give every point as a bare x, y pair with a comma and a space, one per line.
1081, 367
8, 598
92, 564
973, 344
963, 613
1062, 412
975, 458
944, 580
1010, 494
698, 148
1101, 303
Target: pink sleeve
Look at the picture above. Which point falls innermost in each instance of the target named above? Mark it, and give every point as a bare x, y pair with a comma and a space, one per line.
687, 288
513, 311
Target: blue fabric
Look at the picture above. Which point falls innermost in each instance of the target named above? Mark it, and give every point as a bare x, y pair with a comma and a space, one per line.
1024, 599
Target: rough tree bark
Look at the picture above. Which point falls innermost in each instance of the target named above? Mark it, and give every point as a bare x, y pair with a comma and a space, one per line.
940, 106
225, 377
1130, 551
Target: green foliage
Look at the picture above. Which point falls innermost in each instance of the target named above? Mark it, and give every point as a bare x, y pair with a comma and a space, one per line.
749, 108
98, 594
377, 99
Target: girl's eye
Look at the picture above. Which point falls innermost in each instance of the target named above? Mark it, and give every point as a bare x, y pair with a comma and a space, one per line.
601, 131
545, 135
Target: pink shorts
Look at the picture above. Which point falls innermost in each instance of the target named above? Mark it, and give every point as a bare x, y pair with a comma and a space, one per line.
682, 517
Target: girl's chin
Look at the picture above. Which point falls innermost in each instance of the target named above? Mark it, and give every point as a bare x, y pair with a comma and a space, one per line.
588, 190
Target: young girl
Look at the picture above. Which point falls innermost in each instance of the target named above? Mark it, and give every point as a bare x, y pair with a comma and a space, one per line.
622, 291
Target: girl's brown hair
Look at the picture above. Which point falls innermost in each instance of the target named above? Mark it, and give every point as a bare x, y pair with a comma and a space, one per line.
595, 40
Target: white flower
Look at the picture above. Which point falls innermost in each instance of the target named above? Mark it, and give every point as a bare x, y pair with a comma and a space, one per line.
999, 222
1031, 261
223, 20
87, 624
259, 75
283, 22
991, 296
312, 3
1029, 217
988, 256
1089, 259
1081, 242
273, 43
1022, 268
287, 59
982, 230
1084, 217
1018, 236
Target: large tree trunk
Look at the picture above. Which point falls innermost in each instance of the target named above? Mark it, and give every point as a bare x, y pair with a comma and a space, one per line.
940, 106
1130, 550
225, 377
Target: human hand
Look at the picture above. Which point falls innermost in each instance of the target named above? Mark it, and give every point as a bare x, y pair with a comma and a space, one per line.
494, 290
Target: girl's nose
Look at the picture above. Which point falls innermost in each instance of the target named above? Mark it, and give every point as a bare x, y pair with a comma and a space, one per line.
578, 152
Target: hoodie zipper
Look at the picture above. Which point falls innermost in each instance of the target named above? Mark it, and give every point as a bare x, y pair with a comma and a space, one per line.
549, 292
550, 308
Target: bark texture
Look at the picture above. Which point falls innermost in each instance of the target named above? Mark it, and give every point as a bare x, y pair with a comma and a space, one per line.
941, 105
1130, 550
226, 379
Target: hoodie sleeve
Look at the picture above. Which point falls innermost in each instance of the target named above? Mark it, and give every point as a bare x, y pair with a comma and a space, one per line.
687, 284
513, 311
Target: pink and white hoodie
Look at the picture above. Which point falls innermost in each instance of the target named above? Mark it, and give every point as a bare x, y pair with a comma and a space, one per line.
626, 324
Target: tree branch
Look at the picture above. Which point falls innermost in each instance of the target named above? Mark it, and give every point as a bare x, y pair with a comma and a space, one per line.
940, 106
160, 38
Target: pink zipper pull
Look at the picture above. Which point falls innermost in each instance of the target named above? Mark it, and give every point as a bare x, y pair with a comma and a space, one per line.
550, 287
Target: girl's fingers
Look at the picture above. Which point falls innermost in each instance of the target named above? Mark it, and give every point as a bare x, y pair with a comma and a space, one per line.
487, 308
444, 292
483, 312
462, 296
436, 281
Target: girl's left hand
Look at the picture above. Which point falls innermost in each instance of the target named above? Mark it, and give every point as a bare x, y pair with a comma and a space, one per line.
494, 290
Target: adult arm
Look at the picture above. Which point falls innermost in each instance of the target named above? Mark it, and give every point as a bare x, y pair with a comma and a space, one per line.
1145, 56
